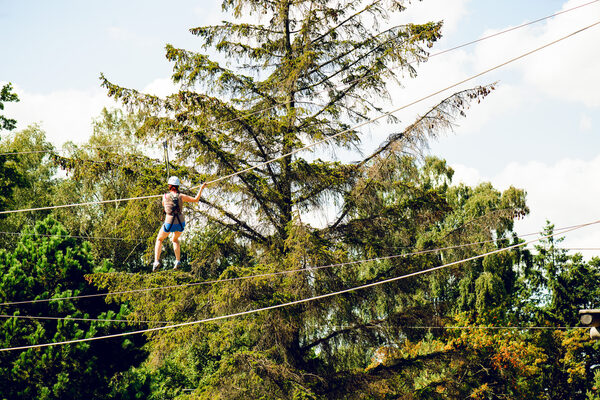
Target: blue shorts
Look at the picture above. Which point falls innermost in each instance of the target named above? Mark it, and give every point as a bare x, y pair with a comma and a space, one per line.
173, 227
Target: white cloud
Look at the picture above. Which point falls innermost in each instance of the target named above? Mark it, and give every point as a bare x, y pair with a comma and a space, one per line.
564, 193
161, 87
65, 115
466, 175
566, 70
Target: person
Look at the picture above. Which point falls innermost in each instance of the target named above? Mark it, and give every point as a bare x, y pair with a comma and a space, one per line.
174, 221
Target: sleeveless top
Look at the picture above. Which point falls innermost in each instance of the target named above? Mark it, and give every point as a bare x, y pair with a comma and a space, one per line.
173, 208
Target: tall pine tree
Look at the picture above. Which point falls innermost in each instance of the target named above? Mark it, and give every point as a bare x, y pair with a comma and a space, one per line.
304, 71
301, 72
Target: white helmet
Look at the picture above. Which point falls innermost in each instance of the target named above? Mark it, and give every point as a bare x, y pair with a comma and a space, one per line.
174, 181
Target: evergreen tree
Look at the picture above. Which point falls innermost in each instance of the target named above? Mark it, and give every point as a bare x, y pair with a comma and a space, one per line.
47, 264
306, 71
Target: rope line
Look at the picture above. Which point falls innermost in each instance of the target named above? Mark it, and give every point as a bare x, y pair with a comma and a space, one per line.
369, 327
82, 319
291, 303
557, 231
71, 236
387, 114
353, 81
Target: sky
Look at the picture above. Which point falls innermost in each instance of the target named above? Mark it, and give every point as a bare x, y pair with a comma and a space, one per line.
539, 130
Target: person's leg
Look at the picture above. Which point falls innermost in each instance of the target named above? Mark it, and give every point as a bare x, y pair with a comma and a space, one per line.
177, 247
162, 235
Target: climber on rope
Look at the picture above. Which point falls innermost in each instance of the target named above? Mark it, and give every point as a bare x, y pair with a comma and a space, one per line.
174, 221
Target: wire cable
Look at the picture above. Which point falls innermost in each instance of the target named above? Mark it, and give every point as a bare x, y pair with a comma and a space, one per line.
82, 319
70, 236
291, 303
495, 327
557, 231
387, 114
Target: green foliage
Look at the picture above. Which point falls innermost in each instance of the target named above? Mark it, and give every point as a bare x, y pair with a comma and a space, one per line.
308, 348
28, 180
594, 394
306, 71
45, 264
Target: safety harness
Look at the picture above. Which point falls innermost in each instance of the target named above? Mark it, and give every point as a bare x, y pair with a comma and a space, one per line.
172, 208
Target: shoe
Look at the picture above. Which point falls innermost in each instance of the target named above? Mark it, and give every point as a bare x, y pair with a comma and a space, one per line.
177, 264
155, 265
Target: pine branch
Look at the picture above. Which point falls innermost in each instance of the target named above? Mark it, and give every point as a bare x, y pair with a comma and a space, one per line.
230, 162
437, 119
239, 226
334, 334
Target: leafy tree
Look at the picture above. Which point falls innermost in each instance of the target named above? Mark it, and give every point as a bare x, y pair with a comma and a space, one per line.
9, 174
32, 181
47, 264
552, 287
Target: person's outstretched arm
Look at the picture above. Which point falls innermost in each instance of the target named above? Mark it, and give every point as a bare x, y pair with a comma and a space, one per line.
191, 199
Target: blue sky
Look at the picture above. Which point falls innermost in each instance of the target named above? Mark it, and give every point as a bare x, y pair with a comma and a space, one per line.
66, 44
540, 130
